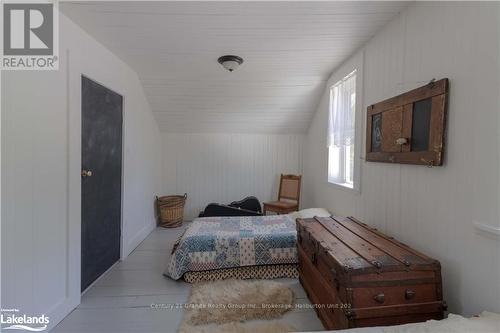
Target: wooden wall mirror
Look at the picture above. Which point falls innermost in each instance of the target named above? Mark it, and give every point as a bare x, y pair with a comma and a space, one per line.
409, 128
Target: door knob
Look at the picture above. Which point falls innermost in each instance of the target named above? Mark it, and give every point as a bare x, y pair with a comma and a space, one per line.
86, 173
402, 141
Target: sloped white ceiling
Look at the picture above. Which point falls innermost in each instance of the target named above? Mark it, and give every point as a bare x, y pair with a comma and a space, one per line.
289, 51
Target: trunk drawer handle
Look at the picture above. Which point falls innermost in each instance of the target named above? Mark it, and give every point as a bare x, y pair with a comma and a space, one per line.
380, 298
409, 294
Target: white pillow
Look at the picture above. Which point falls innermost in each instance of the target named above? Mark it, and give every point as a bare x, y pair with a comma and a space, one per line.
309, 213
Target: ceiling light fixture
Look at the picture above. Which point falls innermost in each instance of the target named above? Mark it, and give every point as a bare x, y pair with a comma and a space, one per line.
230, 62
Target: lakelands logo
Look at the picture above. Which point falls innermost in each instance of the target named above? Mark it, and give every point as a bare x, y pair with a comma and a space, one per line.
29, 36
11, 319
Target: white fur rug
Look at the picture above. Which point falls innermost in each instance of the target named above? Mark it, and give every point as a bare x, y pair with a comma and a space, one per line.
225, 306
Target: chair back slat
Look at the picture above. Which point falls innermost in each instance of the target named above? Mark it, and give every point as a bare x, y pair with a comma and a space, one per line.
289, 188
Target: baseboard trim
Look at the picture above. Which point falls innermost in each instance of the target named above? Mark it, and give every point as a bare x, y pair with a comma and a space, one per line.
134, 241
61, 310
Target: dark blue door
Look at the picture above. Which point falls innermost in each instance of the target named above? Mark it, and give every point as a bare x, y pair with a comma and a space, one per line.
101, 179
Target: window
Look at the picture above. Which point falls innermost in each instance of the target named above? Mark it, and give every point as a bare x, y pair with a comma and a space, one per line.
341, 132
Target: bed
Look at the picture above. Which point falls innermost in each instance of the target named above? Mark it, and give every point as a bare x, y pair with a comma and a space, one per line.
486, 322
215, 248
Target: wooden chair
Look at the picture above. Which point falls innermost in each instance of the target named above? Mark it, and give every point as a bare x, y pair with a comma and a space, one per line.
288, 196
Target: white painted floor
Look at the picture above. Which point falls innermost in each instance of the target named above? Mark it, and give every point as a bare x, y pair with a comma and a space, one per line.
121, 300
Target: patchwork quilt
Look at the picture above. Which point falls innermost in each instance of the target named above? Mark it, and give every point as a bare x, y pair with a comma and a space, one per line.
234, 241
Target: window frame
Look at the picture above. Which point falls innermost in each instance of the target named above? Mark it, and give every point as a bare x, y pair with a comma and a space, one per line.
355, 63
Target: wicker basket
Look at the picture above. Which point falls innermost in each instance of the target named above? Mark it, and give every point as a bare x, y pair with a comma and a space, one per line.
171, 210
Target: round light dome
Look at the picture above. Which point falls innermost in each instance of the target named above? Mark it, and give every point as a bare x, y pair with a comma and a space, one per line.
230, 62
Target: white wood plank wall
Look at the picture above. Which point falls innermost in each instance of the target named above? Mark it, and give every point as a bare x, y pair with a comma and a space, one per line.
433, 210
227, 167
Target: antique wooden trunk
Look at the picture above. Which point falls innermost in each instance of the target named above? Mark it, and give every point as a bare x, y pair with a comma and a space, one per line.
358, 277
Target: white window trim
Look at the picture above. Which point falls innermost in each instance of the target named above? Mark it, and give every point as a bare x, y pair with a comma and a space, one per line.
356, 62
